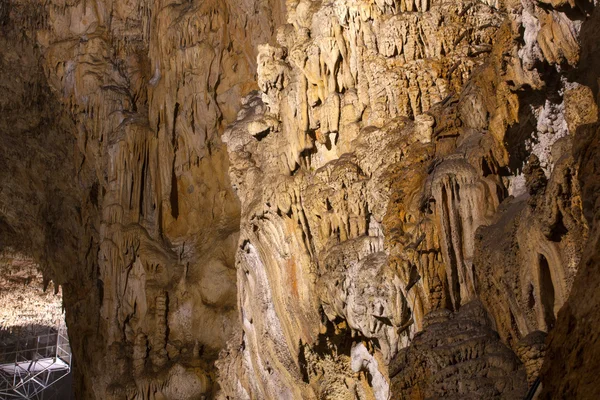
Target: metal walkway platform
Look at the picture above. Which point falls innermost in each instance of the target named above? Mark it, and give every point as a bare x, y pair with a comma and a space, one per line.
29, 366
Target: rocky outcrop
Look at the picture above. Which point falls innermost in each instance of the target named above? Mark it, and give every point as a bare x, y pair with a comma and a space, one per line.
458, 356
141, 91
370, 217
305, 199
28, 308
572, 358
150, 85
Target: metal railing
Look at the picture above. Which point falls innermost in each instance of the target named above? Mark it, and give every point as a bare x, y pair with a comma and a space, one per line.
30, 365
533, 390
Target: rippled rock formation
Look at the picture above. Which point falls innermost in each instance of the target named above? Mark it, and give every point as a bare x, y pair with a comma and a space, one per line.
307, 199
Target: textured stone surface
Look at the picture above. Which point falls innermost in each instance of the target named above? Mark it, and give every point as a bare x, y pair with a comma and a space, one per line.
379, 228
138, 93
458, 356
28, 307
307, 199
571, 366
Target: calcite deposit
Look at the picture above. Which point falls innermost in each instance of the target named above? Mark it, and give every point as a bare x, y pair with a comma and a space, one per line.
30, 306
326, 199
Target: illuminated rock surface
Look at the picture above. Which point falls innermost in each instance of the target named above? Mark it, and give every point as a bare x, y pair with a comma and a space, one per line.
349, 199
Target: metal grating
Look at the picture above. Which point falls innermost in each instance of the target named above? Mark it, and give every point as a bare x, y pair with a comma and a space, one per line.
30, 366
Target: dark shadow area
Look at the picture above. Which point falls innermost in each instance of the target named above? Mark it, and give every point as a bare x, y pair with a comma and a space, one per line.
547, 293
518, 134
588, 70
334, 341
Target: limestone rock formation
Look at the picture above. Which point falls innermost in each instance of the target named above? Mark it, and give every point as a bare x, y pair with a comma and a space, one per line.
458, 356
309, 199
144, 88
358, 212
572, 357
28, 307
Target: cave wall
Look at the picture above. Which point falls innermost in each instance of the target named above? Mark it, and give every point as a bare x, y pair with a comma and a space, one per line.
146, 264
571, 363
306, 200
402, 159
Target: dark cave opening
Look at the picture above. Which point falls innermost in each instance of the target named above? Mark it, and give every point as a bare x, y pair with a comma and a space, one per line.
547, 295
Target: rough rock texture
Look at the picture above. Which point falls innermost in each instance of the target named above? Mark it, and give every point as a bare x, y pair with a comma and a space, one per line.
570, 369
27, 306
141, 91
344, 199
458, 356
572, 362
357, 210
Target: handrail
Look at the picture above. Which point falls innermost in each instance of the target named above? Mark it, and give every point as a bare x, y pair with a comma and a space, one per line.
533, 389
30, 365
